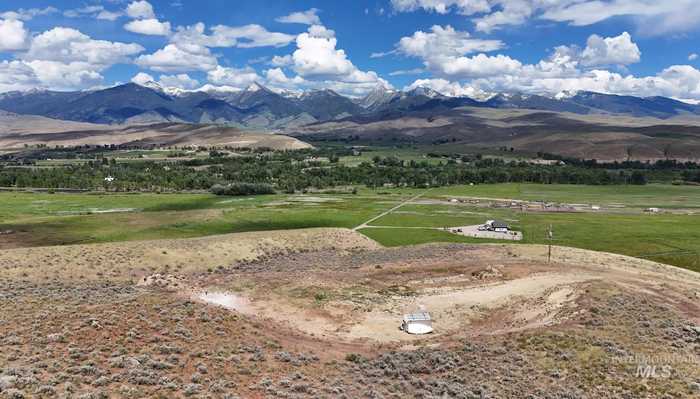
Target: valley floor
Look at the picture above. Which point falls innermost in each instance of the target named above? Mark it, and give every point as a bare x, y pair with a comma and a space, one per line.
602, 218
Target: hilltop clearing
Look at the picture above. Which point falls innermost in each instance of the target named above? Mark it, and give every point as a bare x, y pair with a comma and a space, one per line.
316, 313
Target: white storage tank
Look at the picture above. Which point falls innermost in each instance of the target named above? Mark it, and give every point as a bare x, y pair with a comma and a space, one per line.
417, 323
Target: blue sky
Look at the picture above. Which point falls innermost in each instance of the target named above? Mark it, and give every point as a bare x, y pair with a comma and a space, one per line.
458, 47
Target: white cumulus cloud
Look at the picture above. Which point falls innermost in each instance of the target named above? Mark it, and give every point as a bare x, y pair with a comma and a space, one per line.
180, 81
70, 45
94, 11
653, 17
16, 75
67, 59
142, 78
140, 10
466, 7
233, 77
175, 58
58, 75
318, 58
247, 36
444, 42
189, 47
309, 17
280, 61
619, 50
480, 65
444, 52
148, 27
278, 79
318, 63
13, 35
28, 14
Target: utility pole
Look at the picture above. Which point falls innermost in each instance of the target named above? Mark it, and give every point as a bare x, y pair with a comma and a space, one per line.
550, 234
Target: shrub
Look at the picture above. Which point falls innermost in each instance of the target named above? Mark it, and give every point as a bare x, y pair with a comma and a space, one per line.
638, 178
239, 189
353, 357
320, 296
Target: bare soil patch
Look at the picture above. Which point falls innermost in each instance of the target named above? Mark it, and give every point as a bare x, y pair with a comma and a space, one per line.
315, 313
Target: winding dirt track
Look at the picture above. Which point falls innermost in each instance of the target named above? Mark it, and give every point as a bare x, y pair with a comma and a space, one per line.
321, 315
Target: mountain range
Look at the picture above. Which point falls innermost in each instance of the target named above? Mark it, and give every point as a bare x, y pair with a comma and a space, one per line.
258, 107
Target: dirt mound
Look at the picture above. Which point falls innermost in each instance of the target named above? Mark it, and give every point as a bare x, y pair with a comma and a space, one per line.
362, 296
134, 260
488, 272
315, 313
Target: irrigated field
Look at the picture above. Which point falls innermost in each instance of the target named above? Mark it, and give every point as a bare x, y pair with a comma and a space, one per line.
620, 226
651, 195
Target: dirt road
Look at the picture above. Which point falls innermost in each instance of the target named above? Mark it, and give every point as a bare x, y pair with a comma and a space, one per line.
365, 224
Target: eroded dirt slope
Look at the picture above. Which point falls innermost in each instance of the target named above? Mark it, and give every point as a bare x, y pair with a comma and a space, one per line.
317, 312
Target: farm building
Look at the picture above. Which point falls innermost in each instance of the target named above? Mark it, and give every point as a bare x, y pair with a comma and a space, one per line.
417, 323
495, 225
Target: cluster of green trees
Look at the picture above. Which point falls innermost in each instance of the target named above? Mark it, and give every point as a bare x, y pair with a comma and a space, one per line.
299, 170
661, 164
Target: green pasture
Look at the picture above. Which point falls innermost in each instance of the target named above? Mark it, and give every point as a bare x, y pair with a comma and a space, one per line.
651, 195
406, 154
668, 238
54, 219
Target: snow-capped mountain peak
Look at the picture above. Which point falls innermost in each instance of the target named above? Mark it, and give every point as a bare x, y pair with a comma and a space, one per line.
256, 87
565, 94
425, 91
378, 96
151, 85
291, 94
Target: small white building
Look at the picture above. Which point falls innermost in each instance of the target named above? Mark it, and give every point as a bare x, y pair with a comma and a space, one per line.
495, 225
417, 323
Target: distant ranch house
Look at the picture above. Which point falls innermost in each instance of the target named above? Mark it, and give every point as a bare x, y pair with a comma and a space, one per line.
492, 229
495, 225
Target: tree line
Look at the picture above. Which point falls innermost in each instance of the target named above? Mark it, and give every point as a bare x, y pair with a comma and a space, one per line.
298, 170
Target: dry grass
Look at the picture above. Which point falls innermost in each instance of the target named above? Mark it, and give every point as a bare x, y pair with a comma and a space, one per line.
129, 261
103, 336
16, 131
